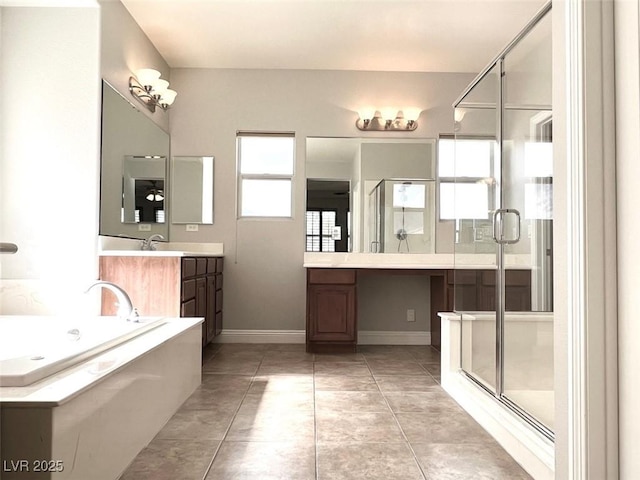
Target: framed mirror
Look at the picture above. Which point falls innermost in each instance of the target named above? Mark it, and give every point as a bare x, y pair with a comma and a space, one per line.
192, 190
346, 195
133, 170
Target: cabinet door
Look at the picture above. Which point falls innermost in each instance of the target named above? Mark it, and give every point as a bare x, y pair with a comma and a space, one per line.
201, 305
210, 318
188, 308
332, 313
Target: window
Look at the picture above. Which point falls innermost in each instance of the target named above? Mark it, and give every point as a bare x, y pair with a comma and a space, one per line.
465, 173
265, 174
321, 234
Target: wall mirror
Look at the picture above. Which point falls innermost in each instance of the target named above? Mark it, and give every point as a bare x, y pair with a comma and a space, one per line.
133, 171
379, 193
192, 190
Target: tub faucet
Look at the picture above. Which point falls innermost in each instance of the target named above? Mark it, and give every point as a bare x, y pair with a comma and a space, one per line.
150, 243
125, 307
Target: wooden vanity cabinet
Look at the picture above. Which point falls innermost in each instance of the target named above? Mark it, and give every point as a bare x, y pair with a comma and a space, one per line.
331, 310
475, 291
169, 286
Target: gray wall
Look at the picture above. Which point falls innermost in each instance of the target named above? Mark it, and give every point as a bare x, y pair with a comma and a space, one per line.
264, 277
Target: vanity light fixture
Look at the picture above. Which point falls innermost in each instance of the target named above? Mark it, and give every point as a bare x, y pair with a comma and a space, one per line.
388, 119
458, 116
152, 91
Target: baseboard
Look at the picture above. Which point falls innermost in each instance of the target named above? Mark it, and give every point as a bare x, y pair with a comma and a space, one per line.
298, 336
261, 336
372, 337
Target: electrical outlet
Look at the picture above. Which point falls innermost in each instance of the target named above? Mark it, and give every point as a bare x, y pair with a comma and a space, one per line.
144, 227
411, 315
192, 228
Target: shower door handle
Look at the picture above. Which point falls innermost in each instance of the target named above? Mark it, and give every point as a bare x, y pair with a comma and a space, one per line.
498, 236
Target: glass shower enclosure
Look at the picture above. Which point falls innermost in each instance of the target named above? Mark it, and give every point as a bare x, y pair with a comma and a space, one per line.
401, 216
503, 212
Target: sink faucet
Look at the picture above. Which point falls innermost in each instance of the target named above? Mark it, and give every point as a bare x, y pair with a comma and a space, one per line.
125, 307
150, 243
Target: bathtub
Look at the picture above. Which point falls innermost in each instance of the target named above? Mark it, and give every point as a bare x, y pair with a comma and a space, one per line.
98, 399
55, 343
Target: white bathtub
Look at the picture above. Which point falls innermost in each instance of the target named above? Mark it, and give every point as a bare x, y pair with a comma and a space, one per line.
90, 417
35, 347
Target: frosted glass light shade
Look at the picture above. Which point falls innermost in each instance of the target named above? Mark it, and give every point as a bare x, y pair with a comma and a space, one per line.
147, 76
159, 87
388, 113
367, 113
411, 113
168, 96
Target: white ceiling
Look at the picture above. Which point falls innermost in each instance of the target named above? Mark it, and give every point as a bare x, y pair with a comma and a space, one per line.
374, 35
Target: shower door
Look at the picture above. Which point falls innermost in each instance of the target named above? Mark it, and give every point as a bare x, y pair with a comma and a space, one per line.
507, 339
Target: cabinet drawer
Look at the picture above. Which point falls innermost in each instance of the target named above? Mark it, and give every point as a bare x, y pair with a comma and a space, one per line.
520, 278
188, 267
219, 264
219, 282
201, 266
462, 277
188, 290
331, 276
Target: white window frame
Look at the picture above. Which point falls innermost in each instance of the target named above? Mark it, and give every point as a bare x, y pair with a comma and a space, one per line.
265, 176
461, 179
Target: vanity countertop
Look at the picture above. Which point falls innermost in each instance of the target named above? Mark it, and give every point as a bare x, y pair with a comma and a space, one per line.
129, 247
156, 253
425, 261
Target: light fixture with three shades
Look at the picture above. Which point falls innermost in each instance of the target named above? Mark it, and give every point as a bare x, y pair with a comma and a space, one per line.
151, 90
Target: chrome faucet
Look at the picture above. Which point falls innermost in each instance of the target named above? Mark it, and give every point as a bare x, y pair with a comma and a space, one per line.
150, 243
125, 307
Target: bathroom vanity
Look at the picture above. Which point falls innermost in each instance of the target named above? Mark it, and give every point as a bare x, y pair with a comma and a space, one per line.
168, 283
332, 286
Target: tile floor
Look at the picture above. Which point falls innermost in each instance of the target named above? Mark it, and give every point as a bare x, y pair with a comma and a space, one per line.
275, 412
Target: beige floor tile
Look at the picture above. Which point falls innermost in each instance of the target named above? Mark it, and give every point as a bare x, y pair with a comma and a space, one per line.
281, 356
426, 354
277, 402
432, 368
219, 401
231, 366
395, 367
282, 383
272, 427
406, 383
350, 402
172, 459
342, 368
196, 424
367, 461
373, 427
345, 384
434, 427
285, 368
264, 461
468, 462
225, 382
435, 401
339, 357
